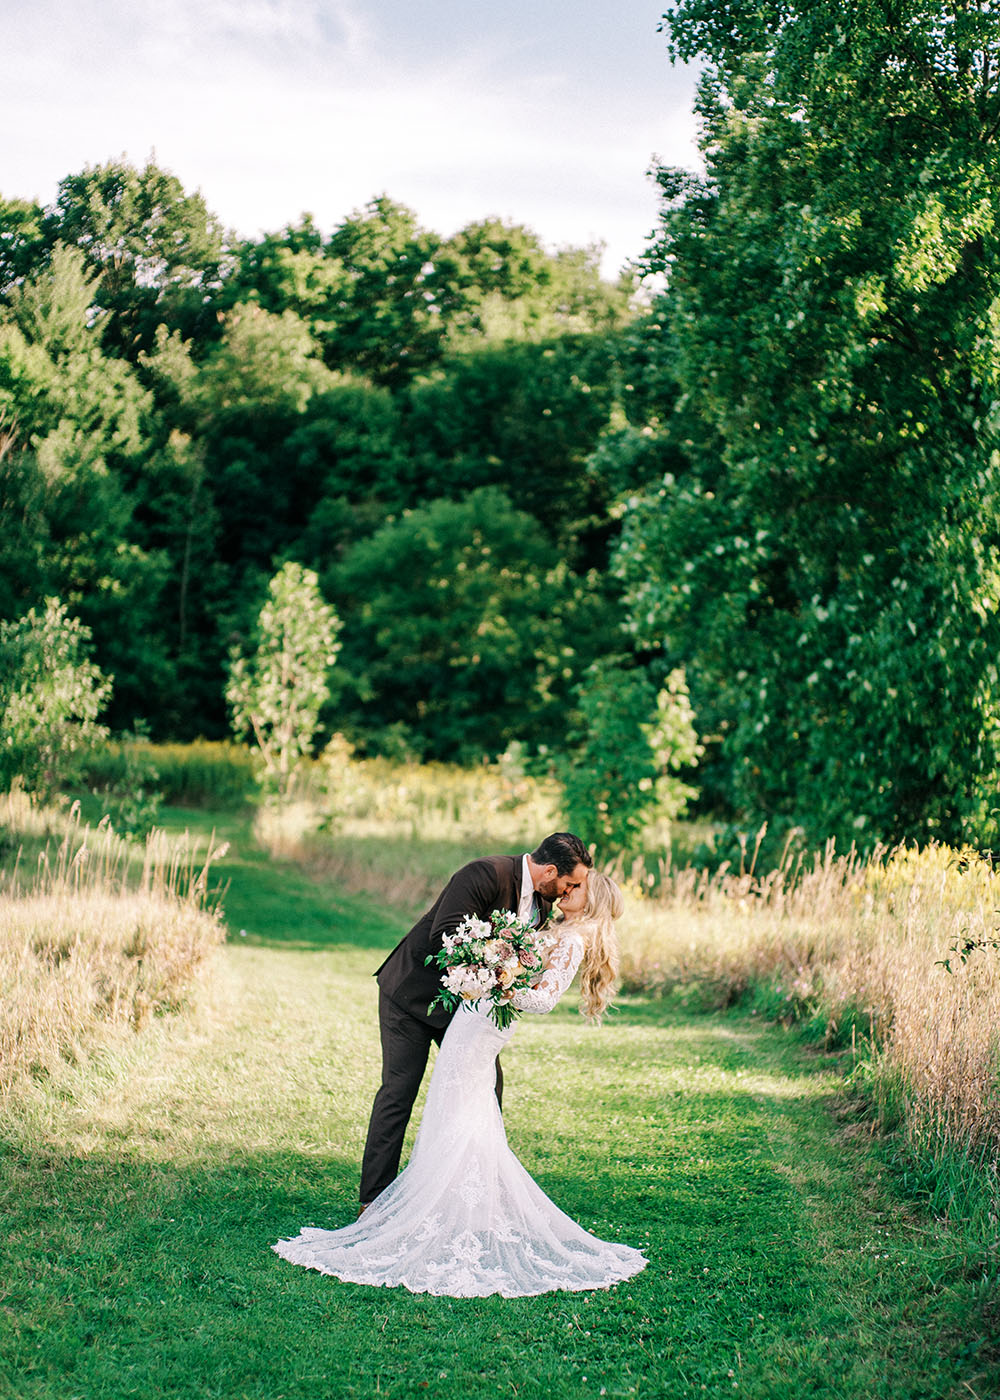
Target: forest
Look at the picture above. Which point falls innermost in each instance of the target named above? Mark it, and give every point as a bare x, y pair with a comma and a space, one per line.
752, 484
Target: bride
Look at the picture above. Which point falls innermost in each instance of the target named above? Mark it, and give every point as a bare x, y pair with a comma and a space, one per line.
465, 1219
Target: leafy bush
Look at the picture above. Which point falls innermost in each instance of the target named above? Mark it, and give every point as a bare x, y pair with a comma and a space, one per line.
626, 753
50, 696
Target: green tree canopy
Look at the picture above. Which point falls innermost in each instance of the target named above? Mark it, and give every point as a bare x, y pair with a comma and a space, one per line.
155, 250
463, 630
77, 435
825, 560
383, 322
181, 411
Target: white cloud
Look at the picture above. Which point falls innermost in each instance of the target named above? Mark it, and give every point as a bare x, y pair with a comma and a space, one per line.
276, 106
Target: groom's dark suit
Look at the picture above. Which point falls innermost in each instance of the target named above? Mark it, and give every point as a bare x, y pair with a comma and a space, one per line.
407, 986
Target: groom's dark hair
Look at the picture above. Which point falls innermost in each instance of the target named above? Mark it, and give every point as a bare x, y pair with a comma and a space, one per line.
563, 850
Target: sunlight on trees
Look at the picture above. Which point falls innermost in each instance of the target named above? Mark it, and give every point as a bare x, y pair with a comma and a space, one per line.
276, 692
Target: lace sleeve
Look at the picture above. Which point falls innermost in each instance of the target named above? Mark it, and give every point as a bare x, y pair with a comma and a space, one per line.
564, 959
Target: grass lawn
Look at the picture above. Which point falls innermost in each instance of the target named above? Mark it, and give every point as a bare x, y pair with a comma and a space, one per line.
140, 1196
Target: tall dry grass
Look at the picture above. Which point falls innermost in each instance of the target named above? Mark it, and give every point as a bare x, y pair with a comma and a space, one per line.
398, 830
96, 934
898, 955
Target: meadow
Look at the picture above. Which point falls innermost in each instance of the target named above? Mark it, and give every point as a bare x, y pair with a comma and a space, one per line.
728, 1131
894, 957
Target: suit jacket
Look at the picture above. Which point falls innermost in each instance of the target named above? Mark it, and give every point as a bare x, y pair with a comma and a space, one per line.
491, 882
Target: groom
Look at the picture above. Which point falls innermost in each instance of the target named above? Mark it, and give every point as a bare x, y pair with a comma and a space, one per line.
526, 885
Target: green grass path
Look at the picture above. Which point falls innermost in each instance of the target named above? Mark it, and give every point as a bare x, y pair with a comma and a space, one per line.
139, 1198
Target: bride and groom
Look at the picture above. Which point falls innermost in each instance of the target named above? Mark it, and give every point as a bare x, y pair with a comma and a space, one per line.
465, 1219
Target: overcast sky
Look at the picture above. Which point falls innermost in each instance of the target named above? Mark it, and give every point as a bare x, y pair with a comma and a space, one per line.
545, 112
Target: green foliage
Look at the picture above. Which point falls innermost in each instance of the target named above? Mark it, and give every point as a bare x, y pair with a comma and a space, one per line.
624, 757
51, 694
464, 629
289, 271
78, 434
350, 461
201, 774
22, 241
495, 282
523, 416
264, 361
125, 782
179, 415
276, 694
155, 250
384, 324
823, 559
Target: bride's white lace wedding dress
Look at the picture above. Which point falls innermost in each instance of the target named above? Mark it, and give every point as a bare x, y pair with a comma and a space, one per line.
465, 1219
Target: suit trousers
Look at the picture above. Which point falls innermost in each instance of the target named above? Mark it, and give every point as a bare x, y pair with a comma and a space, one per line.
406, 1043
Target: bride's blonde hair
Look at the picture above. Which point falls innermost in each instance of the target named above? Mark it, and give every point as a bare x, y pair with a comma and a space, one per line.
595, 921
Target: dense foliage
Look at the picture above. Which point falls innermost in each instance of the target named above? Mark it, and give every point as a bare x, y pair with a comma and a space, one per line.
51, 694
780, 471
625, 755
822, 551
182, 412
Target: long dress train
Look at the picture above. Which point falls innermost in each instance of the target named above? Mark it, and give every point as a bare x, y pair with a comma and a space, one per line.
465, 1219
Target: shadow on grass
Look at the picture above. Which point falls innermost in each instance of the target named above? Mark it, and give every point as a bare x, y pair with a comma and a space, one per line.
152, 1277
144, 1275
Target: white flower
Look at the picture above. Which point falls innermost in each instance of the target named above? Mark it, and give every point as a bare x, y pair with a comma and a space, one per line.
468, 982
471, 928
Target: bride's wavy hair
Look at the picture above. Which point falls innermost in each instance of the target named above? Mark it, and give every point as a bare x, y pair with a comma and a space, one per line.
599, 971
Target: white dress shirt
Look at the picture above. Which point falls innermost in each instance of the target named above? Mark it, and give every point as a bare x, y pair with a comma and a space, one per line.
526, 904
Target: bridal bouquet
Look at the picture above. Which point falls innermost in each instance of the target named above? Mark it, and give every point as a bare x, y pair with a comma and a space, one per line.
491, 959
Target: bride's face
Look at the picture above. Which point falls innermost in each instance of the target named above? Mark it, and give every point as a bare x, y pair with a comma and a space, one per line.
573, 900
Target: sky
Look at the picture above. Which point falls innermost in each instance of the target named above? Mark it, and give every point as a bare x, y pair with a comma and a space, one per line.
543, 112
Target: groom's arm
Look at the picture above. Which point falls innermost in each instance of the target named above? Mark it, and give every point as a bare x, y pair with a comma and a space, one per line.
472, 890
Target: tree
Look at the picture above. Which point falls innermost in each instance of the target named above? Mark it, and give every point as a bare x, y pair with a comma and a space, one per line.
625, 754
277, 692
51, 694
78, 433
155, 250
263, 361
22, 241
825, 561
494, 281
520, 416
465, 630
232, 491
383, 323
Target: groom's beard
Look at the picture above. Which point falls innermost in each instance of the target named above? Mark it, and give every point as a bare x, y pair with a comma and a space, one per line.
549, 889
